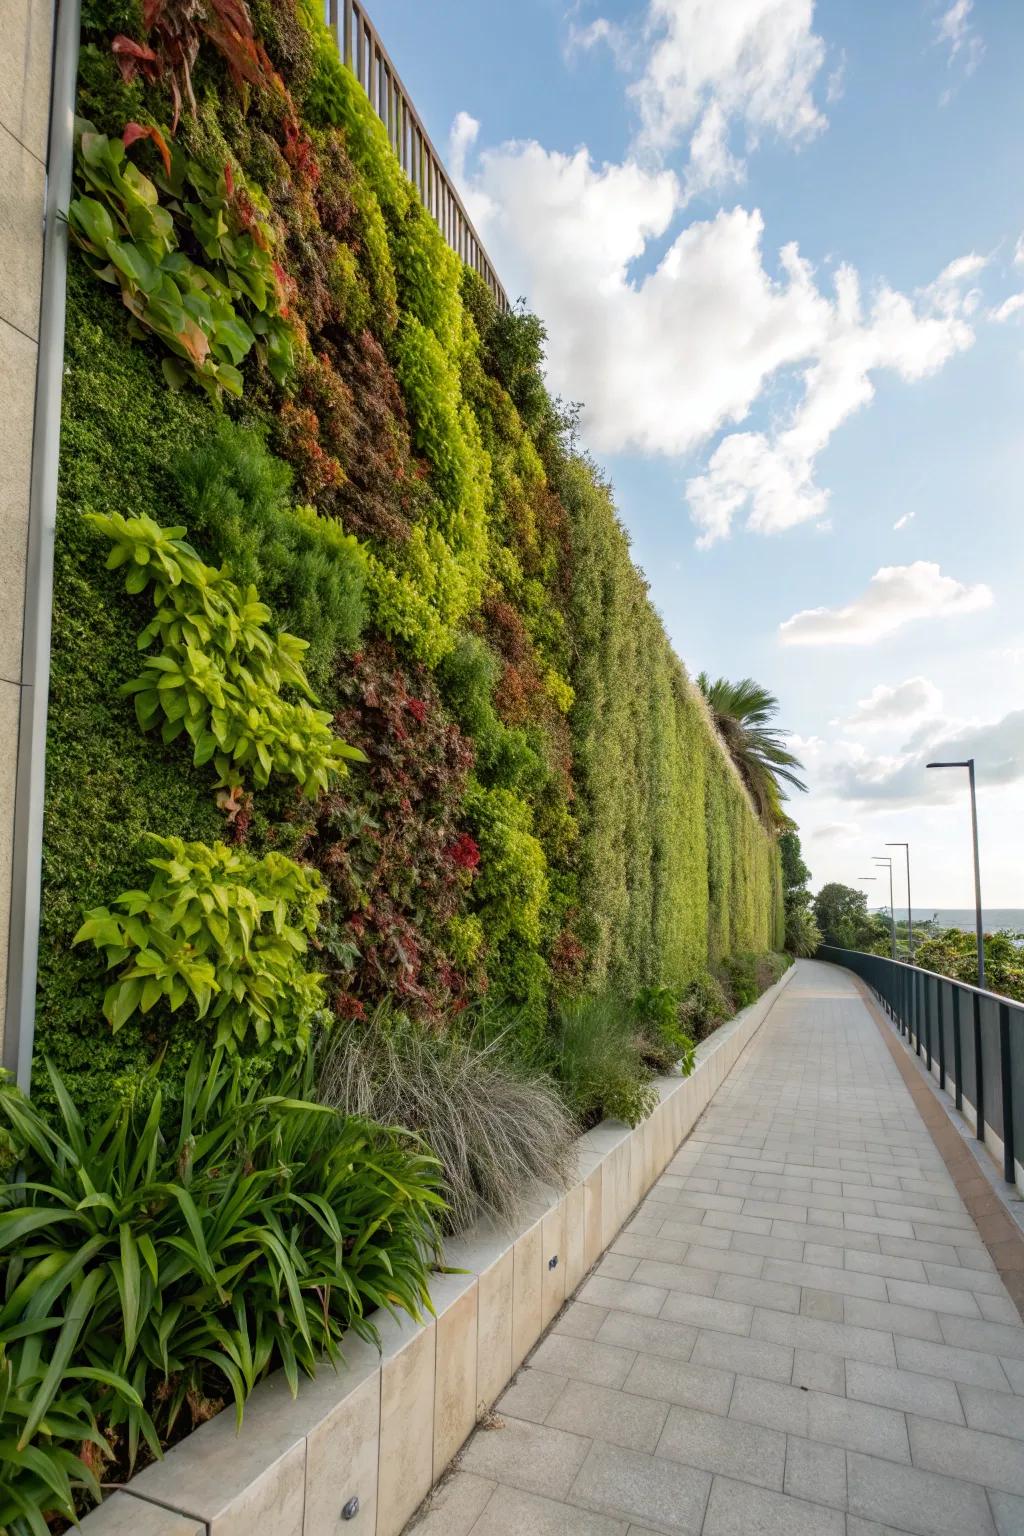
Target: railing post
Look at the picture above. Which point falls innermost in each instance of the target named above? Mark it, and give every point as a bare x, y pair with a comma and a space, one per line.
915, 987
941, 1034
979, 1078
927, 1023
958, 1063
1007, 1086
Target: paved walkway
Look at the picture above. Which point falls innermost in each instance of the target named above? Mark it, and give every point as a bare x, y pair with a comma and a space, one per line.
798, 1332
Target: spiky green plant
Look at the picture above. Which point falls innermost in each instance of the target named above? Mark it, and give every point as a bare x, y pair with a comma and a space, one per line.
743, 713
143, 1275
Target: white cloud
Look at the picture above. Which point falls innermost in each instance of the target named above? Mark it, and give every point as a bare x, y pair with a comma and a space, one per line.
666, 359
708, 65
896, 595
997, 747
770, 477
462, 136
1018, 252
902, 522
900, 702
954, 30
1007, 309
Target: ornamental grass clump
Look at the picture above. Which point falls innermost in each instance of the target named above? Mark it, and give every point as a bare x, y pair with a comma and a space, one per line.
597, 1054
148, 1277
494, 1127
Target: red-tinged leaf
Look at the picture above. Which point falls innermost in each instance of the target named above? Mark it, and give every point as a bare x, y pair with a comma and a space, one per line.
134, 131
131, 55
229, 180
195, 342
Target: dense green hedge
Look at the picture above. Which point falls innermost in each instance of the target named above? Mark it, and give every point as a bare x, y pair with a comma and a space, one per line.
544, 809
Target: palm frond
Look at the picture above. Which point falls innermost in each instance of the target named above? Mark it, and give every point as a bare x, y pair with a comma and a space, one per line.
743, 713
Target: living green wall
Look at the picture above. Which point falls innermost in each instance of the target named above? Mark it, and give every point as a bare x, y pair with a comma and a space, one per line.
543, 808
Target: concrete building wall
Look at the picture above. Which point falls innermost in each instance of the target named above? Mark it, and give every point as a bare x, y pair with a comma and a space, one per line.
25, 43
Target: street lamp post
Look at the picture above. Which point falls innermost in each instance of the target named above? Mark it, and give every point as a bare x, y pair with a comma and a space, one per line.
910, 914
968, 763
877, 859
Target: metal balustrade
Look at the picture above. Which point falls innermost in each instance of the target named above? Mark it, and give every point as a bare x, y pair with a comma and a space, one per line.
971, 1041
362, 50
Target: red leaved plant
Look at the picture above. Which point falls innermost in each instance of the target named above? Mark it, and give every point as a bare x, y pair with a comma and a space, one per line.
175, 30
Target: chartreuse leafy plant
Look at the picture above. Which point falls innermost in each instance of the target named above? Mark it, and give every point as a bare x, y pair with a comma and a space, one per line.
164, 1272
208, 317
222, 931
220, 671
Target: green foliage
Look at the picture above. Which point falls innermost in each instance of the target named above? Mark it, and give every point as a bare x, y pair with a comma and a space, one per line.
219, 673
309, 571
842, 915
42, 1470
674, 869
742, 714
505, 756
495, 1127
952, 952
705, 1005
512, 884
597, 1057
803, 936
208, 317
666, 1043
149, 1273
747, 975
222, 931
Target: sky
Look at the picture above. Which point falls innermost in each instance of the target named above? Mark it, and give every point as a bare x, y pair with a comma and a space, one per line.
778, 246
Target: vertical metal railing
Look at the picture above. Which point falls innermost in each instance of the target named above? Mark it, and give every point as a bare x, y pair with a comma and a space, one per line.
975, 1037
362, 50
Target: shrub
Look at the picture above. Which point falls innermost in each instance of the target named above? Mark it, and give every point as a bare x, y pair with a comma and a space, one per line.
512, 884
220, 673
665, 1041
803, 936
705, 1005
145, 1276
741, 978
597, 1057
952, 952
221, 930
305, 567
494, 1127
747, 975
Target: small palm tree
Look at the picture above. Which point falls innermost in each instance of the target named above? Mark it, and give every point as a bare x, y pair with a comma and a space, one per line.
743, 713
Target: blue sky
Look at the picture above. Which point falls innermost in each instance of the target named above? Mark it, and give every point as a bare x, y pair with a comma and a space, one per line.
773, 242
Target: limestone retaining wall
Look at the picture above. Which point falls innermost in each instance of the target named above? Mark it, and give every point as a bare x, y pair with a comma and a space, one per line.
382, 1429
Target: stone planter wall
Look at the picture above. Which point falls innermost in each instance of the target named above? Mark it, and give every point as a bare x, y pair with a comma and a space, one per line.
382, 1430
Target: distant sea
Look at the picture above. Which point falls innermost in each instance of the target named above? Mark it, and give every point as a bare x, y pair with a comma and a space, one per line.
963, 917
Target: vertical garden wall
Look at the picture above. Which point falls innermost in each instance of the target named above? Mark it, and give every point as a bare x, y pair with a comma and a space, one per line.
336, 599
